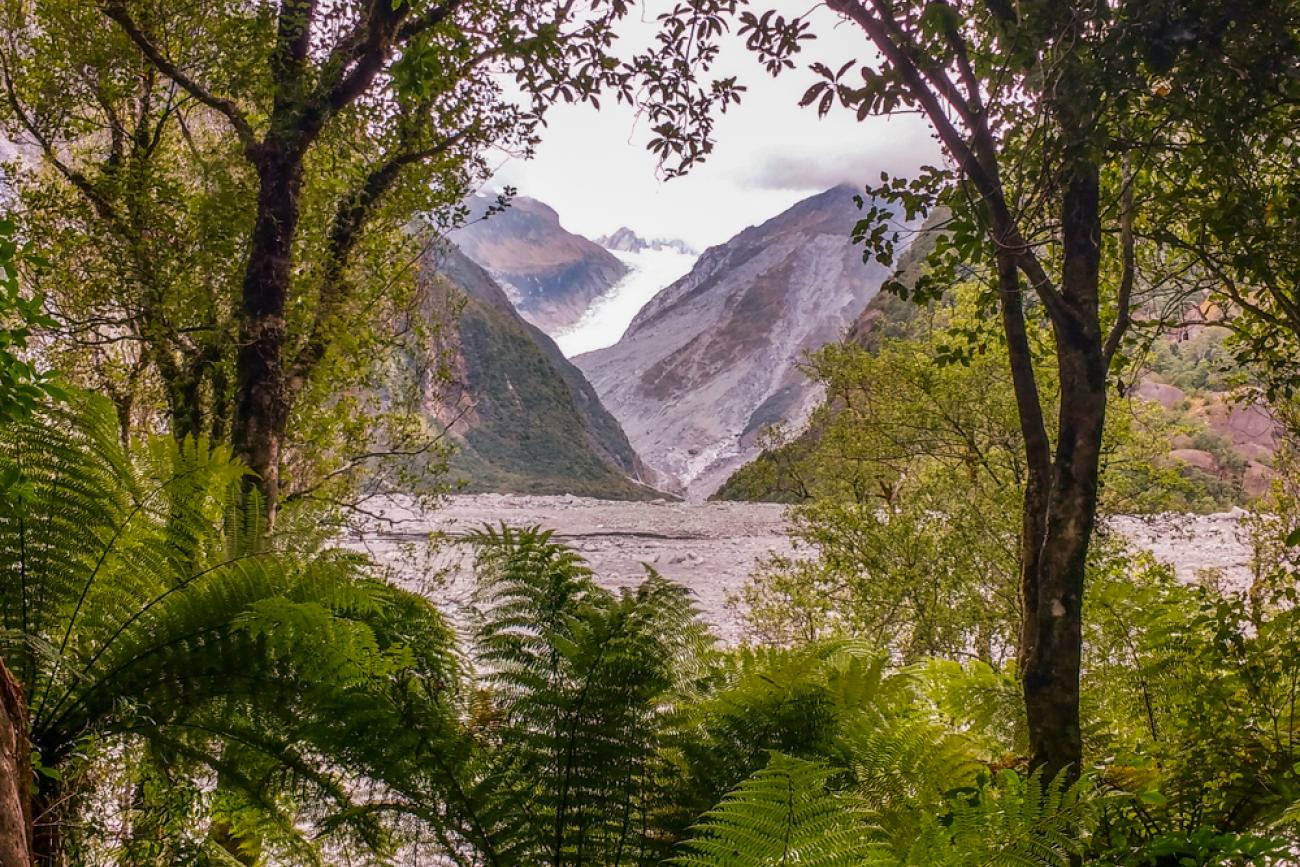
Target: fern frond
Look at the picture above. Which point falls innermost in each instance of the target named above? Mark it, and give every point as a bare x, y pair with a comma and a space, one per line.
783, 814
1013, 820
581, 682
144, 604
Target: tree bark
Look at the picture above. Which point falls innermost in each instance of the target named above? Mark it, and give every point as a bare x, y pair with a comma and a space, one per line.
1053, 633
15, 775
262, 401
1038, 454
50, 809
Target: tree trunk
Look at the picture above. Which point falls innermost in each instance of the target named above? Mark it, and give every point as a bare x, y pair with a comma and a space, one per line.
15, 775
1053, 636
1038, 455
261, 400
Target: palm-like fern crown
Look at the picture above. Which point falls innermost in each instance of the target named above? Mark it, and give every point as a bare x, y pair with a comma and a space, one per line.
580, 683
144, 604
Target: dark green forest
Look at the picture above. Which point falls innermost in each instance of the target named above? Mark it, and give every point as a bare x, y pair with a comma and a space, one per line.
219, 338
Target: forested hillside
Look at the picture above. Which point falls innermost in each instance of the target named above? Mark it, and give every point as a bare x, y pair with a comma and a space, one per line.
525, 418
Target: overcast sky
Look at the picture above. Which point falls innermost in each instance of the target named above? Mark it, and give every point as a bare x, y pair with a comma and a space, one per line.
593, 168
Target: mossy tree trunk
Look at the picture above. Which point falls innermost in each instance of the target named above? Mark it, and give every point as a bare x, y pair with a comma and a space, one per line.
15, 775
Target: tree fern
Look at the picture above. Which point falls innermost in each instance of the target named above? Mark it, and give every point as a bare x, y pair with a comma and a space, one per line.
146, 609
579, 679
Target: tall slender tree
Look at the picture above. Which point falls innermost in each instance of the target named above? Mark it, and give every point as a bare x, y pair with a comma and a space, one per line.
1044, 112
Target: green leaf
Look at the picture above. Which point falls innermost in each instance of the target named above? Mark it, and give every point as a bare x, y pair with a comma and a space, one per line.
1153, 798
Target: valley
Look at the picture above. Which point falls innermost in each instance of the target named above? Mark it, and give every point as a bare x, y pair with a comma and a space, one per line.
610, 434
625, 368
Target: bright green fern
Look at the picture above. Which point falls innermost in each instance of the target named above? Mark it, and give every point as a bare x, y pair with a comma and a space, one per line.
784, 814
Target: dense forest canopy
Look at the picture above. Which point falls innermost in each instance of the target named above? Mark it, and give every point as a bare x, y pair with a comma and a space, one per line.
222, 323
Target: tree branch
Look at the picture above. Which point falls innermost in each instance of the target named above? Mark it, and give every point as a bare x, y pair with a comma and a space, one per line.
1032, 425
117, 11
1006, 233
288, 59
1124, 316
429, 20
937, 77
349, 220
102, 206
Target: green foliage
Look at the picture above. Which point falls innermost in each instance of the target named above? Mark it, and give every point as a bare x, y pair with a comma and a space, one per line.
563, 762
1190, 697
761, 699
1011, 820
1199, 362
791, 811
910, 482
22, 385
914, 481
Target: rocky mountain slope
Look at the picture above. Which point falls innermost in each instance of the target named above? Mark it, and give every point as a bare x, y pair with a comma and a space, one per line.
551, 274
713, 359
1220, 439
525, 419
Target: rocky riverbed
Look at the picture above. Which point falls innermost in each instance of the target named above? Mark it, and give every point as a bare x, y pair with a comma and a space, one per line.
711, 548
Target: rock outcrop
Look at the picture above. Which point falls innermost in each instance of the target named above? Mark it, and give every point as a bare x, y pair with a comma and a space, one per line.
551, 274
714, 358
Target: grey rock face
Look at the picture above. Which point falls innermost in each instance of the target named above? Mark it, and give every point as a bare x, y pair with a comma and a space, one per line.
714, 359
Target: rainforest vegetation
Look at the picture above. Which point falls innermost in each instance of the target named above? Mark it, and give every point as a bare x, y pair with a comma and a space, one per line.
214, 311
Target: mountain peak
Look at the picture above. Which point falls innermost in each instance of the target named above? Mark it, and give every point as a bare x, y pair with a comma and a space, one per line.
551, 274
717, 356
626, 240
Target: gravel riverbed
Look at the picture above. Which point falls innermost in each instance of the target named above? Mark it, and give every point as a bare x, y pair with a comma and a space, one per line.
712, 548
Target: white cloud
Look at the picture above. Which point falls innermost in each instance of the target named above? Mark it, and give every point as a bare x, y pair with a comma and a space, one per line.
593, 168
